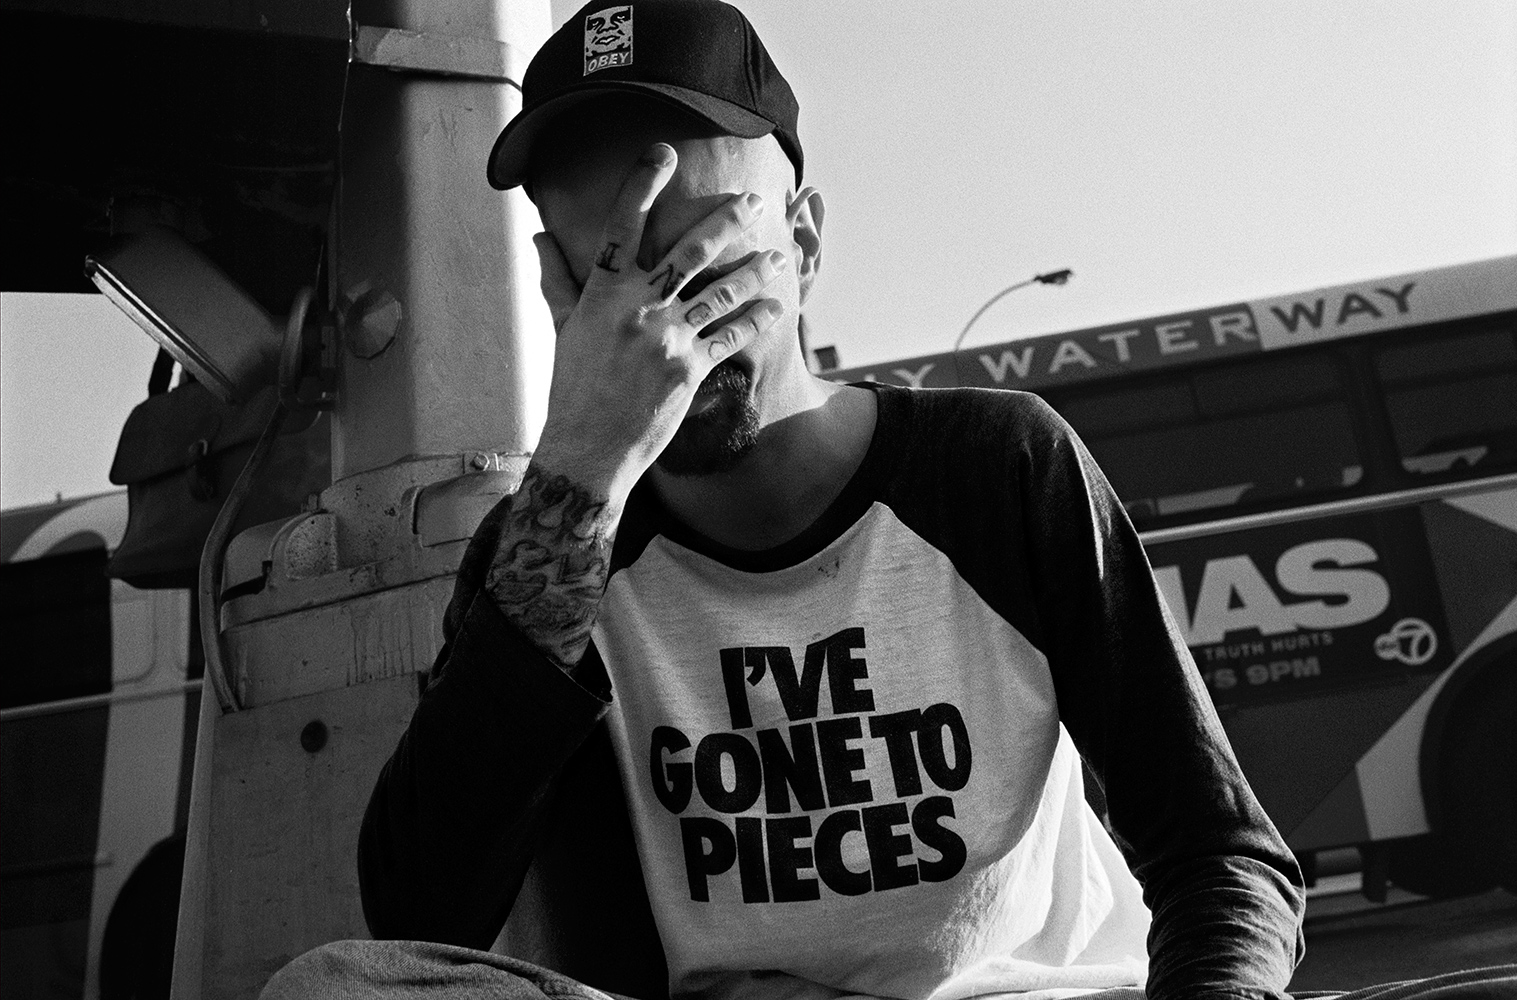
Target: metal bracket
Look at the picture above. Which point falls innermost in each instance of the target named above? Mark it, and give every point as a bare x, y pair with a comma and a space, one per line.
450, 510
440, 55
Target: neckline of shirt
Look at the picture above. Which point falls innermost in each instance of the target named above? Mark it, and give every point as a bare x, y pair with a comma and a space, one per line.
851, 503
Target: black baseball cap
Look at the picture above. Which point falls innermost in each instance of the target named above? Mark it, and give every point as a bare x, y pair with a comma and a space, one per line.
700, 55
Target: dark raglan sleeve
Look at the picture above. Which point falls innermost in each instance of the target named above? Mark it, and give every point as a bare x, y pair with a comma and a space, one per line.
1225, 892
452, 822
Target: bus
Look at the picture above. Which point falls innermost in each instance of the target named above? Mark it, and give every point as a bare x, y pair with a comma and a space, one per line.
99, 702
1326, 486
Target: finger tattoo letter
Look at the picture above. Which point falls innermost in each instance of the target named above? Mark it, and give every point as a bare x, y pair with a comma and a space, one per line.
671, 278
700, 314
607, 259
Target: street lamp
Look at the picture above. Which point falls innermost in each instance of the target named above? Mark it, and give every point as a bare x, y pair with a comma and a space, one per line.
1051, 278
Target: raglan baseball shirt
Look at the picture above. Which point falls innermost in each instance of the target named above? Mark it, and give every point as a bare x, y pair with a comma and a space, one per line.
852, 763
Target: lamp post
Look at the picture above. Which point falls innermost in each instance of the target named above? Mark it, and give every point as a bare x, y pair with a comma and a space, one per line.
1051, 278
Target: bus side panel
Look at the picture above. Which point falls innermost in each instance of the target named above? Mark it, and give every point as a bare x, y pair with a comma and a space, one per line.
1313, 638
1339, 819
1474, 549
140, 788
1474, 543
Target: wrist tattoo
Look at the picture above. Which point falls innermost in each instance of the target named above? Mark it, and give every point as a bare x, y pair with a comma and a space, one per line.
550, 568
607, 259
671, 278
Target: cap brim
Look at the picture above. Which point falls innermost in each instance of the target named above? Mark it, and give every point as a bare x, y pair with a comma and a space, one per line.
513, 149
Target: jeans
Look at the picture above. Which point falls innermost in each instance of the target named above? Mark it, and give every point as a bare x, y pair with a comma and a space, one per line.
419, 970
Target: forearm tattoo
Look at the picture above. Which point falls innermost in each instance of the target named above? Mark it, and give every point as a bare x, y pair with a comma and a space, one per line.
550, 568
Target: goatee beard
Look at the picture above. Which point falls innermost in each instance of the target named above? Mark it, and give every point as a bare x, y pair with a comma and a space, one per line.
716, 437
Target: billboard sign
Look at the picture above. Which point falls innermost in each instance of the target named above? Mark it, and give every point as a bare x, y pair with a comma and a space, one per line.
1296, 610
1037, 363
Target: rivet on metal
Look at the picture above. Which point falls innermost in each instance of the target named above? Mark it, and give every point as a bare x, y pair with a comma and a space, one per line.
314, 736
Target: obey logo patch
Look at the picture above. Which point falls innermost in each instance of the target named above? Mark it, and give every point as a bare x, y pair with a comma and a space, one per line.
608, 38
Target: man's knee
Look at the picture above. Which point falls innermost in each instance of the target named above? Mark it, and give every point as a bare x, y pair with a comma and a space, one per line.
416, 970
337, 971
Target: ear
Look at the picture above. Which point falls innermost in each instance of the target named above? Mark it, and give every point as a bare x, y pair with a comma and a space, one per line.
804, 215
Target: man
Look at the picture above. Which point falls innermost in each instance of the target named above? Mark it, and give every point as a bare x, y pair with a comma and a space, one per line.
782, 685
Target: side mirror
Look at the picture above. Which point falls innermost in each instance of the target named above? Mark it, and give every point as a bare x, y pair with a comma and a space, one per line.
193, 310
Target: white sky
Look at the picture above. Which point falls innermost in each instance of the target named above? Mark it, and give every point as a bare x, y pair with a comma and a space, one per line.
1174, 154
71, 369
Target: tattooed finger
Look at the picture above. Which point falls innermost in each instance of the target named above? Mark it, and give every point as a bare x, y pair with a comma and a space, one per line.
672, 280
607, 259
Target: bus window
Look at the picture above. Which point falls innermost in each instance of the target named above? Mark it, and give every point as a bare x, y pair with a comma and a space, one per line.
57, 626
1452, 401
1264, 387
1240, 435
57, 614
1108, 413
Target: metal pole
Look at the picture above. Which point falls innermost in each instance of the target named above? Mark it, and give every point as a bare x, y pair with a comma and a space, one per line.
447, 333
1051, 278
443, 357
